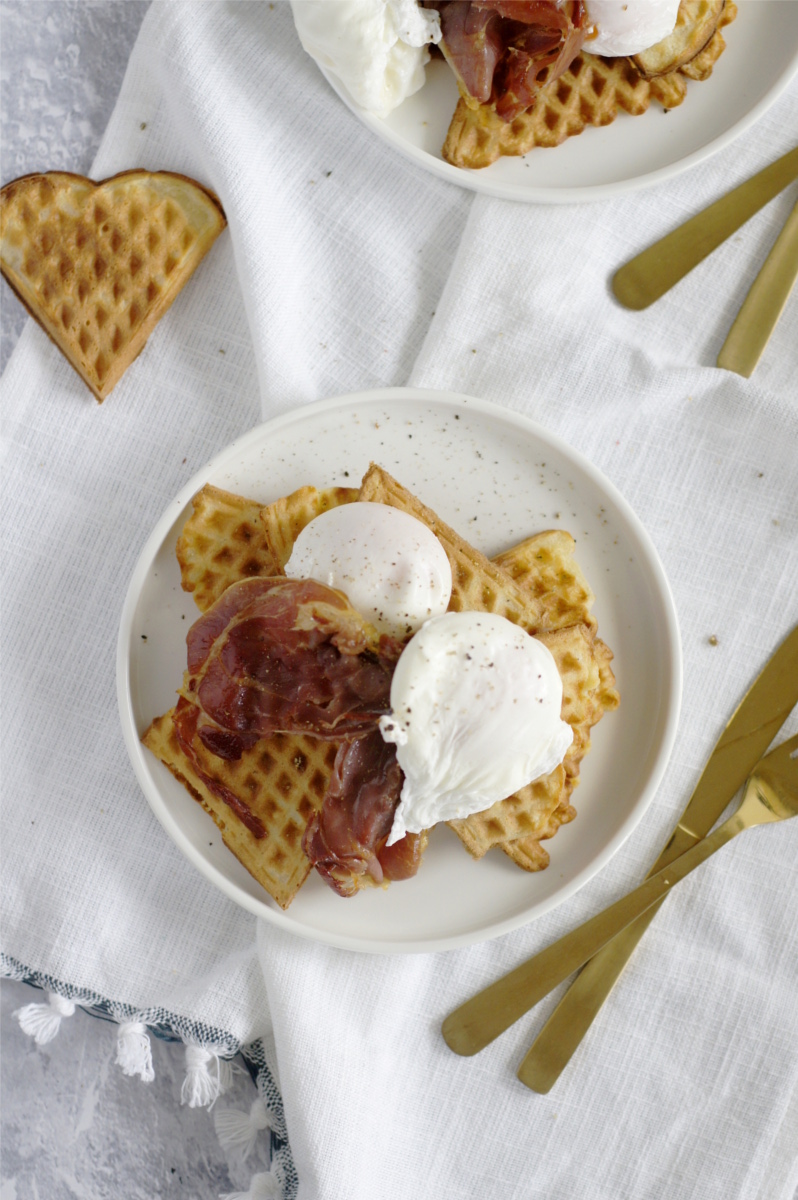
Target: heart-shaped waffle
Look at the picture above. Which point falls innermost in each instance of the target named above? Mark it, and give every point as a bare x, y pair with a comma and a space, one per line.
98, 264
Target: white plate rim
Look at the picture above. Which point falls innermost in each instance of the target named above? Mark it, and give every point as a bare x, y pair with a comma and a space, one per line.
672, 687
480, 180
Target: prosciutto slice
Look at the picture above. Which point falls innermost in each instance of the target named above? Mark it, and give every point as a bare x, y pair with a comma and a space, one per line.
346, 840
504, 51
186, 722
277, 655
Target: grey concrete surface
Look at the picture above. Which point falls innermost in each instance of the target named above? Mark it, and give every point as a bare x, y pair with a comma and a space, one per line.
61, 67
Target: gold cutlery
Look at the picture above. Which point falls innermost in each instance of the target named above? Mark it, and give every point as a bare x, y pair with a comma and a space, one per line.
771, 794
651, 274
749, 732
764, 303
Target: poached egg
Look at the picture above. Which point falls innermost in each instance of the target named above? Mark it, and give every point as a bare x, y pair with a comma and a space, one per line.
391, 566
377, 48
475, 715
629, 26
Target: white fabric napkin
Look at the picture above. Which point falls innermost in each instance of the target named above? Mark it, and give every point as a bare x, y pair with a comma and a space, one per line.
345, 267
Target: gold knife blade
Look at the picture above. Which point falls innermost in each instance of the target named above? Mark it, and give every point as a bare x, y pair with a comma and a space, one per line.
651, 274
751, 728
764, 303
748, 734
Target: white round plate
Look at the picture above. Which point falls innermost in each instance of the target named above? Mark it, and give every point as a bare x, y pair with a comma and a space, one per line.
761, 57
496, 478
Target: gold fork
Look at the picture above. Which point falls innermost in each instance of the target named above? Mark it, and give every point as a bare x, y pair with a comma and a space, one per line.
771, 794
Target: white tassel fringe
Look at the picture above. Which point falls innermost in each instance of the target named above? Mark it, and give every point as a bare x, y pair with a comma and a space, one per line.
134, 1052
238, 1131
207, 1077
268, 1185
43, 1021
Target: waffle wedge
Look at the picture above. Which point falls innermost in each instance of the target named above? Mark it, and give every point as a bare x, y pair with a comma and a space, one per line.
477, 583
696, 24
528, 853
228, 538
284, 520
591, 92
589, 689
98, 264
282, 780
222, 542
544, 565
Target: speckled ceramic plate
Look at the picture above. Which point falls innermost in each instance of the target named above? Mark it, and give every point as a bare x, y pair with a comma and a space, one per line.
760, 59
496, 478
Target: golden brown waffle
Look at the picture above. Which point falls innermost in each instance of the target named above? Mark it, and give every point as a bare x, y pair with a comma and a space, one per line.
696, 24
544, 565
228, 538
700, 67
525, 814
566, 593
284, 520
528, 853
222, 542
607, 695
591, 92
282, 780
477, 584
98, 264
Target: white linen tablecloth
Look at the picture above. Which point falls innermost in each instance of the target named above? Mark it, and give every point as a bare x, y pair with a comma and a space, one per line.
345, 267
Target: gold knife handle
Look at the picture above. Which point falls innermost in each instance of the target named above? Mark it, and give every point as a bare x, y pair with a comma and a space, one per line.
560, 1037
569, 1023
751, 728
764, 304
650, 274
482, 1018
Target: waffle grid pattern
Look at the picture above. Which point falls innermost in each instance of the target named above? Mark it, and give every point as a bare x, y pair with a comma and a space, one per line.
99, 264
591, 92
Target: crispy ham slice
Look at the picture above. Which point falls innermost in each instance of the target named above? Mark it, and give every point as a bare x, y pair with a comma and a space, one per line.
503, 51
277, 655
345, 842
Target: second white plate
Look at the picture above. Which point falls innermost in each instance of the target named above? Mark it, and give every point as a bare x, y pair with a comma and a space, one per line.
496, 478
760, 59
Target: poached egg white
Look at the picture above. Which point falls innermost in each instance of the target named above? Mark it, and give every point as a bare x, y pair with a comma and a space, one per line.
377, 48
629, 26
391, 566
475, 715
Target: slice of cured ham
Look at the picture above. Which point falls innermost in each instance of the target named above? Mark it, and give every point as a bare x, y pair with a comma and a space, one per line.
345, 842
503, 51
277, 655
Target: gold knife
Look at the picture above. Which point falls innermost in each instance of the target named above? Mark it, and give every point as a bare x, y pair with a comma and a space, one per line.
651, 274
764, 303
747, 736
